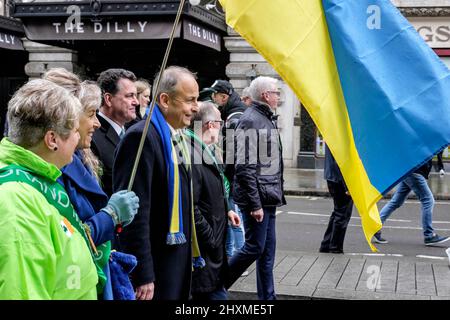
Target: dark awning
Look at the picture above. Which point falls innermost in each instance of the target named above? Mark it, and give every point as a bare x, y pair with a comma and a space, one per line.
118, 20
10, 33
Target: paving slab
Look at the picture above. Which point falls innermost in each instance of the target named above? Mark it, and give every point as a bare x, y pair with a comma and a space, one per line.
302, 275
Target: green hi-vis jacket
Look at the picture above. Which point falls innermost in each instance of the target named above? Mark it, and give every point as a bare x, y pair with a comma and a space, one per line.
41, 255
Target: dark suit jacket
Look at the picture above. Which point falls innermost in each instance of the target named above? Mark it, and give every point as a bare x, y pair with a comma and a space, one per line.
168, 266
103, 145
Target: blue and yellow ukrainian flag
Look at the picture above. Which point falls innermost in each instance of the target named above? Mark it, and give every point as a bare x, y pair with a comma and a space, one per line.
377, 93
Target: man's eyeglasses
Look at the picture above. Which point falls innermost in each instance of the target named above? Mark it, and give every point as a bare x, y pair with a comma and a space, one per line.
278, 93
216, 121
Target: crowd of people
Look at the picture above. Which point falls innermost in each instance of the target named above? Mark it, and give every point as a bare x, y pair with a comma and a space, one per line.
71, 228
201, 209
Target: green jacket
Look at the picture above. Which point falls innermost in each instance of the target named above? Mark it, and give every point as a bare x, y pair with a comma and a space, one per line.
41, 255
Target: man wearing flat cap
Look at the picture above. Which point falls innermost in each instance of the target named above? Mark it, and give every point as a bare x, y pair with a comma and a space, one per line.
231, 108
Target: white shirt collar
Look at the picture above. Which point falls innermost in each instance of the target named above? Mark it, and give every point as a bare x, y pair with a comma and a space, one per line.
117, 128
174, 131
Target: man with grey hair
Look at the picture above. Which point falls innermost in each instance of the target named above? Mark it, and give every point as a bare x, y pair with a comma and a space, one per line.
211, 195
119, 101
258, 184
245, 97
162, 234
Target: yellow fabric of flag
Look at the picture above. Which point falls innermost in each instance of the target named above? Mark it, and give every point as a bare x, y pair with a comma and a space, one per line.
293, 37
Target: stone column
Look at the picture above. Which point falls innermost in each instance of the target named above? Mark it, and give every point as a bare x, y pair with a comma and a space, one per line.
43, 57
245, 65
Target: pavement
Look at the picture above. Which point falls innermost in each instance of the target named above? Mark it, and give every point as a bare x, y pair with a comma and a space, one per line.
313, 275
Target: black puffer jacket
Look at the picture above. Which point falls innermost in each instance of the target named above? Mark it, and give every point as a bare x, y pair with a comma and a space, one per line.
258, 180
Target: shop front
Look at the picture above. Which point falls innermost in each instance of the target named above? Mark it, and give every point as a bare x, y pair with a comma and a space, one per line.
14, 58
88, 37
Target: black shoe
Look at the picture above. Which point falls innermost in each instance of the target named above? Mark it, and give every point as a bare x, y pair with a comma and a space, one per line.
378, 239
435, 239
337, 251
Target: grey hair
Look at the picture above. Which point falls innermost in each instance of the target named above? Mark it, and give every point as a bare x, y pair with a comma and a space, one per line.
206, 112
65, 79
37, 107
90, 95
169, 80
246, 92
261, 85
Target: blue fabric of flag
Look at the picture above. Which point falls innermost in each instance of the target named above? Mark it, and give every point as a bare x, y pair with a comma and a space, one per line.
396, 89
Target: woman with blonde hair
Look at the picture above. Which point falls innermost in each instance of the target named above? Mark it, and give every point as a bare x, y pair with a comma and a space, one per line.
143, 89
44, 251
80, 179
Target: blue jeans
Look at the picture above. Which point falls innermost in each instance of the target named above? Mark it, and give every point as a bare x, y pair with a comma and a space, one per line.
418, 184
235, 235
259, 246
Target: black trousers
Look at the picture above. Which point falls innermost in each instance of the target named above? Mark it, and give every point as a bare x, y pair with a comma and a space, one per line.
440, 163
333, 240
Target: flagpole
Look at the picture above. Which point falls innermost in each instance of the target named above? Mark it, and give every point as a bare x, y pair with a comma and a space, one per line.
156, 89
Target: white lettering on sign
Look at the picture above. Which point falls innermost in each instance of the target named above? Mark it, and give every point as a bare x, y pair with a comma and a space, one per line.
142, 25
101, 27
98, 27
201, 33
7, 38
129, 29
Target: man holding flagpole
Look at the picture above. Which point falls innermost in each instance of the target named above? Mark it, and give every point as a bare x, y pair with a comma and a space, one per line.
162, 236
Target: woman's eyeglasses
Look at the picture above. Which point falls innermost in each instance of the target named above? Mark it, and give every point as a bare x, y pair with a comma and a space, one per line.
278, 93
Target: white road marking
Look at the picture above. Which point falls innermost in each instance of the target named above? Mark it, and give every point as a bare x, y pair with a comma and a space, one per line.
309, 214
278, 212
431, 257
396, 227
376, 254
327, 215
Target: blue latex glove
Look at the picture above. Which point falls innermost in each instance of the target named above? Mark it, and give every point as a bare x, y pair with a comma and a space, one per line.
122, 207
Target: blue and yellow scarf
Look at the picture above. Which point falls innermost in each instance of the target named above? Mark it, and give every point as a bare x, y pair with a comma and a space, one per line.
176, 235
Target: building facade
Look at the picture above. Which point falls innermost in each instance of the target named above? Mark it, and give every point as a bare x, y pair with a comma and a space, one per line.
13, 57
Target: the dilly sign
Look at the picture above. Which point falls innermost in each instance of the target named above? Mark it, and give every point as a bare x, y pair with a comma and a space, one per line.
10, 41
132, 29
201, 35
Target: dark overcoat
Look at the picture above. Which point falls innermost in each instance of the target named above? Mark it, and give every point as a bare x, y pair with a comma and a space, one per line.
210, 222
168, 266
